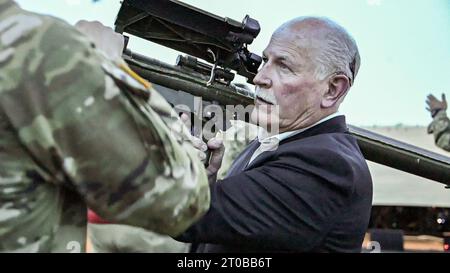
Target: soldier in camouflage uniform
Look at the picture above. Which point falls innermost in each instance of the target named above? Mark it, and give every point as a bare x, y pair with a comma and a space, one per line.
80, 130
112, 238
440, 126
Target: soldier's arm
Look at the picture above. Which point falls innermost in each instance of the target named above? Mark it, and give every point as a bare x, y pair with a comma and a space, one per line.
132, 161
440, 128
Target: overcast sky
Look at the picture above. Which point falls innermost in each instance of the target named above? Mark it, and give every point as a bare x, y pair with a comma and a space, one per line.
404, 45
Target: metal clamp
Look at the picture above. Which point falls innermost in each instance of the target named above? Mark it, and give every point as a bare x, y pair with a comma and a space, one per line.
213, 69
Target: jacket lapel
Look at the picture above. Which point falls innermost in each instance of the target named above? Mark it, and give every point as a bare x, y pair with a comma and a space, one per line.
242, 160
334, 125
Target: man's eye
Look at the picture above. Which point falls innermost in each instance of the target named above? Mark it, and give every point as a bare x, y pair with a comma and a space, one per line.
265, 59
284, 66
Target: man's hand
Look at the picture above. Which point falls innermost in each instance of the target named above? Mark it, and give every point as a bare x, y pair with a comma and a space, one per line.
105, 38
434, 105
214, 145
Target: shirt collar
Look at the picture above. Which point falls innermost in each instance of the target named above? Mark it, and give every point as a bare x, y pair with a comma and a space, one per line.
264, 139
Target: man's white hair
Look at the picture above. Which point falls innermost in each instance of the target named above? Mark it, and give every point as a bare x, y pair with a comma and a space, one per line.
338, 52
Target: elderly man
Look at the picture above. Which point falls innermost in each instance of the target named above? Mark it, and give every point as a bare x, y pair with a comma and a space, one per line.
314, 192
440, 126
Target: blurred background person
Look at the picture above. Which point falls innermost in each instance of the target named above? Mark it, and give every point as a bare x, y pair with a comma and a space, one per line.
440, 126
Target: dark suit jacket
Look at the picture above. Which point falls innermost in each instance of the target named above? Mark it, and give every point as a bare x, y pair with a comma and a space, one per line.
314, 193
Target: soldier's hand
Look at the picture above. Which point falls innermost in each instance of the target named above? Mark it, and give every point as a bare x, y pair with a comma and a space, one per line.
434, 105
215, 145
105, 38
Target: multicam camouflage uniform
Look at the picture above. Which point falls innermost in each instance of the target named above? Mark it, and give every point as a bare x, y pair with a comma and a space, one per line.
112, 238
77, 131
235, 139
440, 128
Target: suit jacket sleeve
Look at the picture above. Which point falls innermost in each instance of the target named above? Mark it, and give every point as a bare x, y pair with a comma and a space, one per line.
288, 202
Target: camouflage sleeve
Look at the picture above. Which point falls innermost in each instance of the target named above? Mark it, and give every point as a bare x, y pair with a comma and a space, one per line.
113, 238
237, 137
440, 128
81, 119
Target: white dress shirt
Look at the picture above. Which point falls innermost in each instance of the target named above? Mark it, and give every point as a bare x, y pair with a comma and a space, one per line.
270, 143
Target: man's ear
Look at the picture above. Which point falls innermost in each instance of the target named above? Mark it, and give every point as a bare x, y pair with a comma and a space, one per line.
337, 89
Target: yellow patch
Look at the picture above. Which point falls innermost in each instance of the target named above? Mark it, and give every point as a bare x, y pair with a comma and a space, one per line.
135, 76
127, 77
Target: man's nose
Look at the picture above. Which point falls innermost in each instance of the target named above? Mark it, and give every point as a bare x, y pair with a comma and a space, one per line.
261, 79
